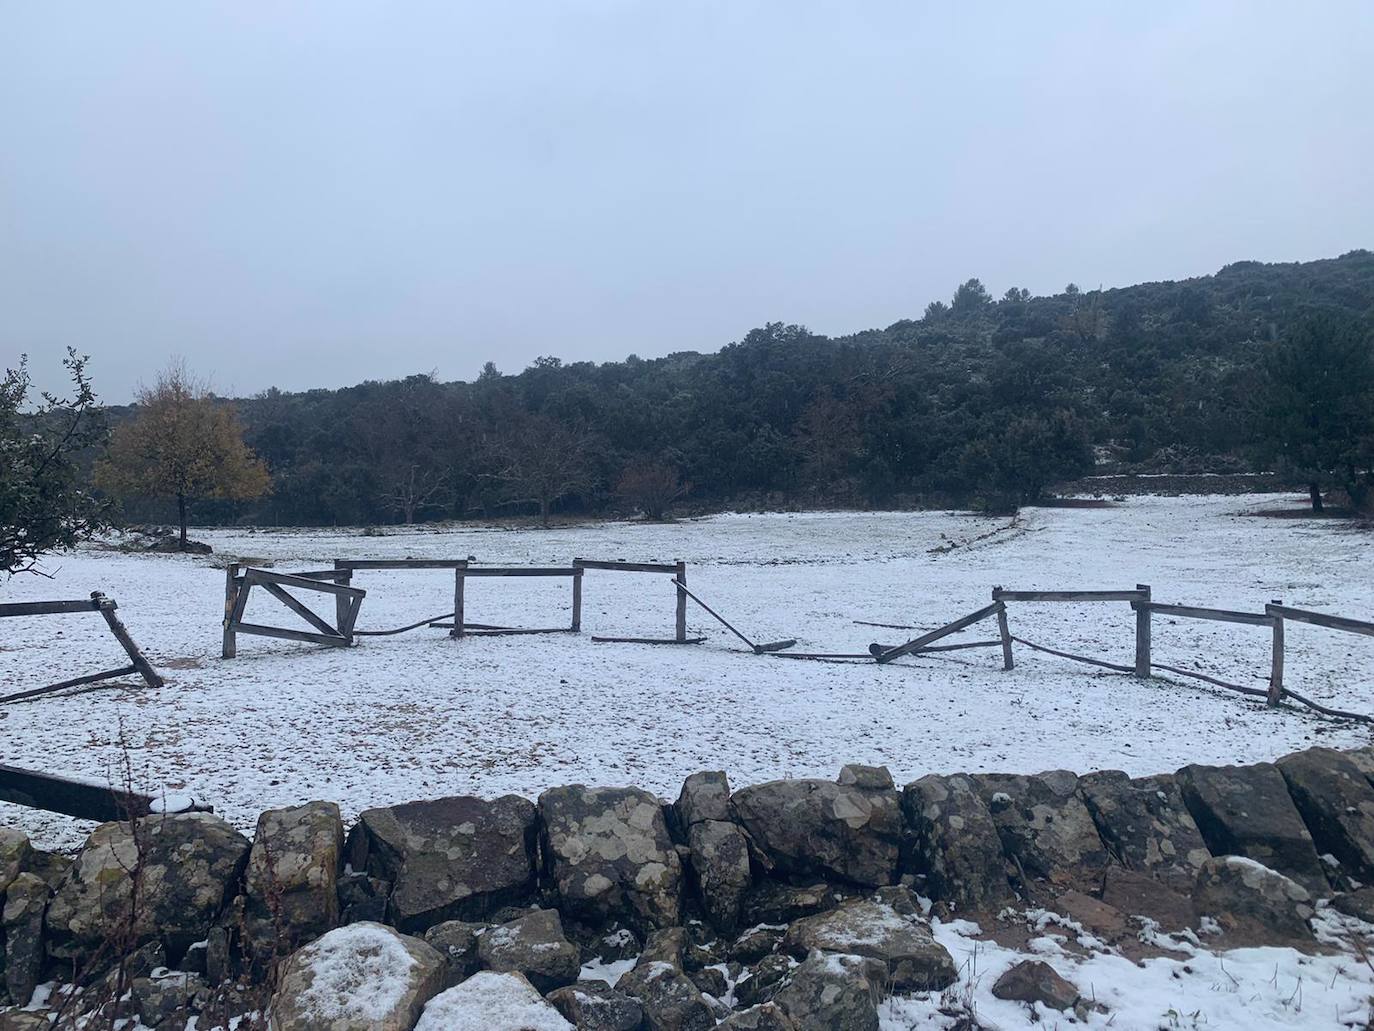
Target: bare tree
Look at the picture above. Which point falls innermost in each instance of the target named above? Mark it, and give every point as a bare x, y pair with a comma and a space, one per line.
651, 487
542, 462
414, 488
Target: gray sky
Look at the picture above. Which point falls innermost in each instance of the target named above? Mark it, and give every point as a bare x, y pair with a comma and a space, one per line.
312, 194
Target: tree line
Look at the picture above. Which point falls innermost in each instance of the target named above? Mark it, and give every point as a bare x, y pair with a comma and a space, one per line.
984, 402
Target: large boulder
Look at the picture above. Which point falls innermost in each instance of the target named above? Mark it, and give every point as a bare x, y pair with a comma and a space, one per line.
704, 796
851, 831
455, 858
188, 864
720, 868
26, 900
1252, 904
491, 1002
1044, 825
291, 883
363, 977
834, 992
1146, 825
1247, 811
1336, 802
609, 854
953, 843
670, 1000
596, 1006
533, 945
901, 941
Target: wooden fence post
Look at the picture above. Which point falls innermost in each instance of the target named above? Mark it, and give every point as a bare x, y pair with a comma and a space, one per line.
1276, 662
145, 668
1142, 633
577, 596
1004, 632
459, 582
341, 603
230, 645
681, 576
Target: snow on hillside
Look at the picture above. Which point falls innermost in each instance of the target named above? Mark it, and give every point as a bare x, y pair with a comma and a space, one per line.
419, 715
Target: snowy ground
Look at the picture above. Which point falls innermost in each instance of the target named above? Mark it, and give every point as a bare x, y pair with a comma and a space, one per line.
420, 716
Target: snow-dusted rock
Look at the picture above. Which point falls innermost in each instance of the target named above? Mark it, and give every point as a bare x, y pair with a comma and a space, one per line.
489, 1001
1147, 825
26, 899
954, 843
670, 1000
1247, 811
766, 1016
291, 883
596, 1006
720, 863
609, 854
756, 942
835, 992
915, 961
1337, 804
533, 945
190, 864
449, 858
818, 827
704, 796
1252, 903
456, 941
1033, 981
170, 994
774, 902
1045, 825
764, 980
363, 977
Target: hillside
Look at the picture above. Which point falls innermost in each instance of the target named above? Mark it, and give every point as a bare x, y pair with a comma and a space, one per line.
979, 401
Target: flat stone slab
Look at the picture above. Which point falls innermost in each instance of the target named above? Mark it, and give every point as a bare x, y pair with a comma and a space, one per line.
1336, 802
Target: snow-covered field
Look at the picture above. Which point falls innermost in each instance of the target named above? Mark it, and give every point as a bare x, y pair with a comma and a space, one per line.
420, 715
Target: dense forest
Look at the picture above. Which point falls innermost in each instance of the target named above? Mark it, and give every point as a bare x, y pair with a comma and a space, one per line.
982, 401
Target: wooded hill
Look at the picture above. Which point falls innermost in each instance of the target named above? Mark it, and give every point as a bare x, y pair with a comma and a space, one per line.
981, 401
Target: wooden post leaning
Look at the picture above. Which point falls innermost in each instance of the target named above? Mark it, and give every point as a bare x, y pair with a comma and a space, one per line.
1004, 632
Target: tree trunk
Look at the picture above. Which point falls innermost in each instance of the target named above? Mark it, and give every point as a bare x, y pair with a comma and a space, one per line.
544, 511
181, 513
1314, 491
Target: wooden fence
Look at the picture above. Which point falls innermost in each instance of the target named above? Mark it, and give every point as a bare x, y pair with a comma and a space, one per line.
85, 799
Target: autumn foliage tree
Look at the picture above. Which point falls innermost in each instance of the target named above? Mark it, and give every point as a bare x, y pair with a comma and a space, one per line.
183, 444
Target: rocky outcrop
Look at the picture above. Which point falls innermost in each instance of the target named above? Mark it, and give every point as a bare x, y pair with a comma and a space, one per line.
1247, 811
533, 945
491, 1002
1146, 826
1336, 802
291, 883
187, 865
902, 942
609, 855
834, 992
455, 858
953, 843
363, 977
1253, 904
1044, 826
802, 828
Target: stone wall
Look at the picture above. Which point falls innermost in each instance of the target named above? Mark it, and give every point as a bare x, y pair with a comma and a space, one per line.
794, 903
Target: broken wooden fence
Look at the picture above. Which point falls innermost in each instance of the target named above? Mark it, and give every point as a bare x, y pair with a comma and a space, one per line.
238, 587
677, 570
86, 799
97, 602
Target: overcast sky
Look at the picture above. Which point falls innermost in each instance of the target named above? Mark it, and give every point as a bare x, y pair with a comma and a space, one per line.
313, 194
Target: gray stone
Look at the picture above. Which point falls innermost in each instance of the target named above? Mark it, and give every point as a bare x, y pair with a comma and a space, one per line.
1359, 904
25, 902
1336, 802
609, 855
1247, 811
455, 858
1146, 825
533, 945
720, 863
757, 942
456, 941
671, 1001
1045, 825
190, 863
954, 843
1363, 758
765, 980
15, 855
767, 1016
704, 796
500, 1002
20, 1021
219, 960
291, 883
668, 945
913, 959
772, 902
1033, 981
1253, 904
364, 977
834, 992
711, 981
158, 999
806, 828
870, 778
596, 1006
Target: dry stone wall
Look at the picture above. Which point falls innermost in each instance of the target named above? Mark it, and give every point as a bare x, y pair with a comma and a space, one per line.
792, 904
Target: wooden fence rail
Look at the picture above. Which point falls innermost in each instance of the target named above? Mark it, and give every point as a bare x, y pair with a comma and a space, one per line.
85, 799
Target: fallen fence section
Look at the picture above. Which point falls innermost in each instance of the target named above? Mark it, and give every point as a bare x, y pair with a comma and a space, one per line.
97, 602
1139, 596
237, 589
885, 654
86, 799
677, 570
757, 649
